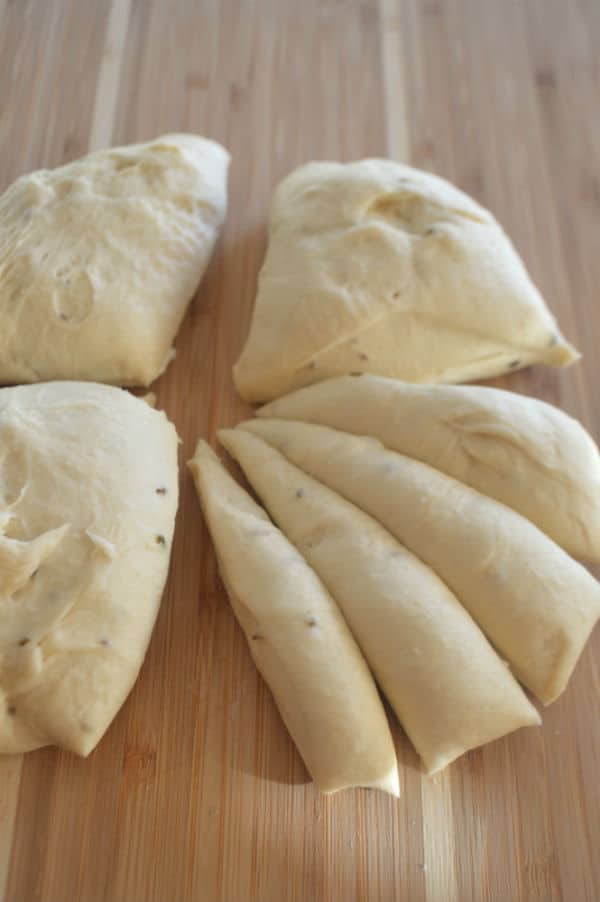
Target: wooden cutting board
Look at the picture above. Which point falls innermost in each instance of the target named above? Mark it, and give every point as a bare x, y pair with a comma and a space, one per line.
196, 794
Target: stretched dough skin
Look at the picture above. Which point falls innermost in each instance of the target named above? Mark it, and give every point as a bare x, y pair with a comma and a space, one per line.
449, 688
523, 452
298, 639
373, 266
99, 259
88, 496
535, 603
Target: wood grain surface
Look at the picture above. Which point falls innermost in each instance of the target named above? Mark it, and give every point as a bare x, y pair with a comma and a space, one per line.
196, 794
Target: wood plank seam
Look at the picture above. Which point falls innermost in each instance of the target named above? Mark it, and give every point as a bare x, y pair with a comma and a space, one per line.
392, 65
107, 86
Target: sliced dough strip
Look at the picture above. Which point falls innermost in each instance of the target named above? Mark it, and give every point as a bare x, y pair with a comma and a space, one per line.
449, 688
521, 451
535, 603
298, 639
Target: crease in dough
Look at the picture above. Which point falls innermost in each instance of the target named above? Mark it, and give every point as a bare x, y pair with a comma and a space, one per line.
20, 560
523, 452
298, 640
535, 604
378, 267
447, 685
106, 547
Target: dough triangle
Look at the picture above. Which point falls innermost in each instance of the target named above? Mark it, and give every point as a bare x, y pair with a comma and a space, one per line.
376, 267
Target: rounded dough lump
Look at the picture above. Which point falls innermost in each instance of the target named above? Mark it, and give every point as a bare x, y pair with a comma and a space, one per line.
88, 496
99, 259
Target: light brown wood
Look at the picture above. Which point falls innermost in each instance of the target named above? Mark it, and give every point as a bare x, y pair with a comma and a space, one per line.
196, 794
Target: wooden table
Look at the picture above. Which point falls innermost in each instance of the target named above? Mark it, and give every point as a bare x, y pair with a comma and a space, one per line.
196, 794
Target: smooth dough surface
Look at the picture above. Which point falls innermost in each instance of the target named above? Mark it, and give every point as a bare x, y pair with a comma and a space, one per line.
377, 267
88, 496
447, 685
535, 603
298, 640
99, 259
521, 451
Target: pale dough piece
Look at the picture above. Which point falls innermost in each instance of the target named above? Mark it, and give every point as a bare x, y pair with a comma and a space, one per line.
535, 603
376, 267
88, 495
449, 688
99, 259
518, 450
298, 639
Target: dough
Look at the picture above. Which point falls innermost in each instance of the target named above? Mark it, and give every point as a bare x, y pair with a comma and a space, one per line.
88, 495
535, 603
376, 267
298, 639
449, 688
518, 450
99, 259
